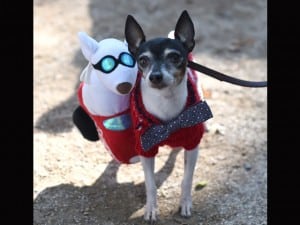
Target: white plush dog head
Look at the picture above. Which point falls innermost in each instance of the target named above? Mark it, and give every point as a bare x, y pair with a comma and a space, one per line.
111, 61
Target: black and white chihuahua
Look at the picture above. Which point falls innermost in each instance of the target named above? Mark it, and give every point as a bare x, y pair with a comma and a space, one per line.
164, 89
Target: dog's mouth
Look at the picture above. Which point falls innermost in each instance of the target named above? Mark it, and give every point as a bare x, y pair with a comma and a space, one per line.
158, 86
124, 88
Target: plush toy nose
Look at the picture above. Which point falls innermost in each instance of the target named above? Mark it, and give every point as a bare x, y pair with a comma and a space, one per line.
124, 88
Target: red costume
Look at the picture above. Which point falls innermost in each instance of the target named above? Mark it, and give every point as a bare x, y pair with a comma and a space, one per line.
188, 137
122, 133
135, 131
119, 142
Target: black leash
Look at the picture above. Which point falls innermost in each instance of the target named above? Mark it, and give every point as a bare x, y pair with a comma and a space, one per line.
223, 77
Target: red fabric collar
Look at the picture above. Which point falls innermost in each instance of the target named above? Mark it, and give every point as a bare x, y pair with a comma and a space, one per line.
141, 116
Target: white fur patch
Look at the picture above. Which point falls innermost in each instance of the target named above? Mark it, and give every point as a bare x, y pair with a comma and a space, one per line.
164, 103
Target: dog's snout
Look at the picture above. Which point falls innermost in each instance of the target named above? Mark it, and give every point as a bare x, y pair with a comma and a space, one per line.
156, 78
124, 88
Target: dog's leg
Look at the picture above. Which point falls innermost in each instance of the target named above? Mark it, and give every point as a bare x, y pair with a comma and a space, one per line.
190, 159
151, 202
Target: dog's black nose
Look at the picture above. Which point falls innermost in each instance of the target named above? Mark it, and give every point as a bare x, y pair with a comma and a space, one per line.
156, 78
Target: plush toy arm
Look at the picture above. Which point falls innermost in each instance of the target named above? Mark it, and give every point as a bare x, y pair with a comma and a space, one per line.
85, 124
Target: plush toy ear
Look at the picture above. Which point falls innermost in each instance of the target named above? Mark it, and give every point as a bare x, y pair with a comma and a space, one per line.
171, 34
88, 45
85, 75
184, 31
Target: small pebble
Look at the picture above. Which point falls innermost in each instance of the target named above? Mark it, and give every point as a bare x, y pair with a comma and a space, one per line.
247, 166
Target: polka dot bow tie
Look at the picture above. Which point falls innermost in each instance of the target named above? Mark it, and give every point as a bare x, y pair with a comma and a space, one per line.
193, 115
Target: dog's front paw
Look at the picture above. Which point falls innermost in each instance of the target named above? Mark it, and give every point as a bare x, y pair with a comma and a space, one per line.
151, 212
186, 207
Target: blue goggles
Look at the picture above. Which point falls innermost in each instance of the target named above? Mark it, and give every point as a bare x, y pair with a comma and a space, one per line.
108, 63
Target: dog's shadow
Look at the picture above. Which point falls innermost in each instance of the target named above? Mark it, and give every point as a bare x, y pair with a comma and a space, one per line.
104, 202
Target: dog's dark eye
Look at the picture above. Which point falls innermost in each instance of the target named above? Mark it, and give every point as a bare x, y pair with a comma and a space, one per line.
143, 61
174, 58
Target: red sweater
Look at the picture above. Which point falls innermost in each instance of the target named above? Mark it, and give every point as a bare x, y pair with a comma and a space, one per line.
121, 133
142, 120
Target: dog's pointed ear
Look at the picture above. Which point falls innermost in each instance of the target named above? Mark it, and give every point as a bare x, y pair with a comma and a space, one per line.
184, 31
134, 34
88, 45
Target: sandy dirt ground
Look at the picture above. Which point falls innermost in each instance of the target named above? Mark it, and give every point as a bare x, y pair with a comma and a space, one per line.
77, 182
